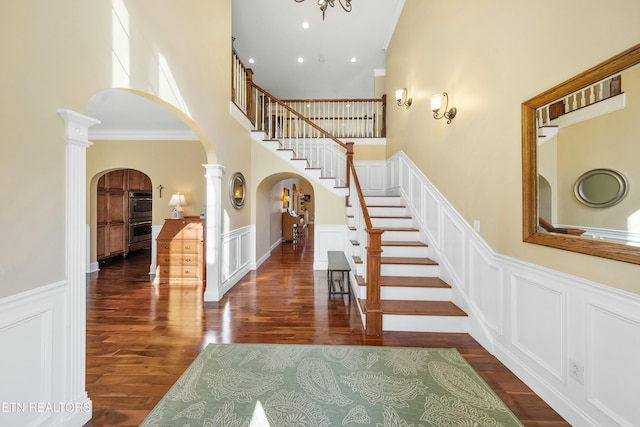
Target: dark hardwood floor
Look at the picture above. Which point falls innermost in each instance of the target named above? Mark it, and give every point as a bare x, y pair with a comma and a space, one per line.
141, 337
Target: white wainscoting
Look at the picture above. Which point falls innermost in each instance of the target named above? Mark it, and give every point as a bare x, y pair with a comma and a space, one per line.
328, 237
237, 256
540, 323
33, 333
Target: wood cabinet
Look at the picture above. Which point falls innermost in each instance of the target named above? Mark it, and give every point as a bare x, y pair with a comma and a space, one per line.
289, 232
180, 251
138, 181
111, 215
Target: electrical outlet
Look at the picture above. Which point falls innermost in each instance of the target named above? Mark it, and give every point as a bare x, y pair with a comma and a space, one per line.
576, 371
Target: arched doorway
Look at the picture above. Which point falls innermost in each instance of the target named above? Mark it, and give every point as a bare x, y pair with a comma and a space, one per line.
272, 204
124, 206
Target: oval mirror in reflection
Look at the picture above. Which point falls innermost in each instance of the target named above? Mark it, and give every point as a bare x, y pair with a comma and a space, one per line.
601, 188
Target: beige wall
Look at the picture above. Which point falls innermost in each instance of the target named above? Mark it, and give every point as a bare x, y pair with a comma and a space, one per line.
369, 152
490, 57
172, 164
57, 55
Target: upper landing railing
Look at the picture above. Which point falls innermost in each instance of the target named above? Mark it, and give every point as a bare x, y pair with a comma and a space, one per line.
311, 129
342, 118
582, 98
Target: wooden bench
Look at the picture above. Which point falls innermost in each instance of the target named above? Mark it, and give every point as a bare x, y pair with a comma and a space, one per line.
338, 264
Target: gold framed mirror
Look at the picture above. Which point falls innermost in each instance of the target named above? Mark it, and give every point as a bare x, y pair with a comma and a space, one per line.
541, 111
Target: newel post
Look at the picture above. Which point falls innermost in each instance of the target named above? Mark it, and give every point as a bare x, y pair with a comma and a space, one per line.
373, 309
349, 162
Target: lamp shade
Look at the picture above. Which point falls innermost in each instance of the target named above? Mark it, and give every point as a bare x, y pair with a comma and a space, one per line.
400, 94
436, 102
177, 200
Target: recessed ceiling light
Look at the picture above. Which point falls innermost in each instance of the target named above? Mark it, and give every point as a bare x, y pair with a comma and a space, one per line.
305, 25
251, 61
301, 60
353, 59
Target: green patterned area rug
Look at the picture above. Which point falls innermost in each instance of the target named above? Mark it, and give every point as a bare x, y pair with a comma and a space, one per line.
316, 385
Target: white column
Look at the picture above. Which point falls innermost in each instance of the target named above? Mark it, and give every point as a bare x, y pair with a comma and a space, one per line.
213, 232
77, 142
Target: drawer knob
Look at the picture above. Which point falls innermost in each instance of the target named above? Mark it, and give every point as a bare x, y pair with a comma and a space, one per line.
166, 259
166, 246
188, 259
187, 247
187, 271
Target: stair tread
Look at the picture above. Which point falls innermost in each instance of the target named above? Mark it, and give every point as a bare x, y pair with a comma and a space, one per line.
418, 308
423, 282
424, 308
407, 260
386, 206
409, 282
402, 243
355, 243
390, 216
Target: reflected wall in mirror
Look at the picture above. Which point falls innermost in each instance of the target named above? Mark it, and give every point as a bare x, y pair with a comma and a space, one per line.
588, 123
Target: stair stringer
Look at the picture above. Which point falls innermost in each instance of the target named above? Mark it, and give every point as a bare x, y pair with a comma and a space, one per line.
300, 164
399, 241
433, 221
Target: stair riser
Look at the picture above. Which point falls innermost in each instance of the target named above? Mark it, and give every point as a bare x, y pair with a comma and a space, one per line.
407, 294
392, 222
387, 211
383, 201
406, 251
415, 294
407, 270
418, 323
401, 236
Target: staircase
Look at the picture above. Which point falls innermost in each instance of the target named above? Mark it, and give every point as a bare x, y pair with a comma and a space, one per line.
413, 297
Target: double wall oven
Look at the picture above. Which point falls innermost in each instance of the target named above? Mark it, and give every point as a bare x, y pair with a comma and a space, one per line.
140, 205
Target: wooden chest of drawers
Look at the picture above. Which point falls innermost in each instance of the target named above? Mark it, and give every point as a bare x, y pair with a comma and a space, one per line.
180, 251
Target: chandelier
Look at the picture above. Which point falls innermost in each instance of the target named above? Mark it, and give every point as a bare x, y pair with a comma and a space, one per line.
346, 5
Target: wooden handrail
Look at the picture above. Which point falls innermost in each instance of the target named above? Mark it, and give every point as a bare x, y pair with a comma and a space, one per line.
301, 117
356, 183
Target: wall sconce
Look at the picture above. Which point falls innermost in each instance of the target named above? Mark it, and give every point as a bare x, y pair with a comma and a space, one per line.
286, 198
436, 104
178, 201
401, 98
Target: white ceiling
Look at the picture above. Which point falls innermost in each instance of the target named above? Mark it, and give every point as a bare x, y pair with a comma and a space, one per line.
271, 33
